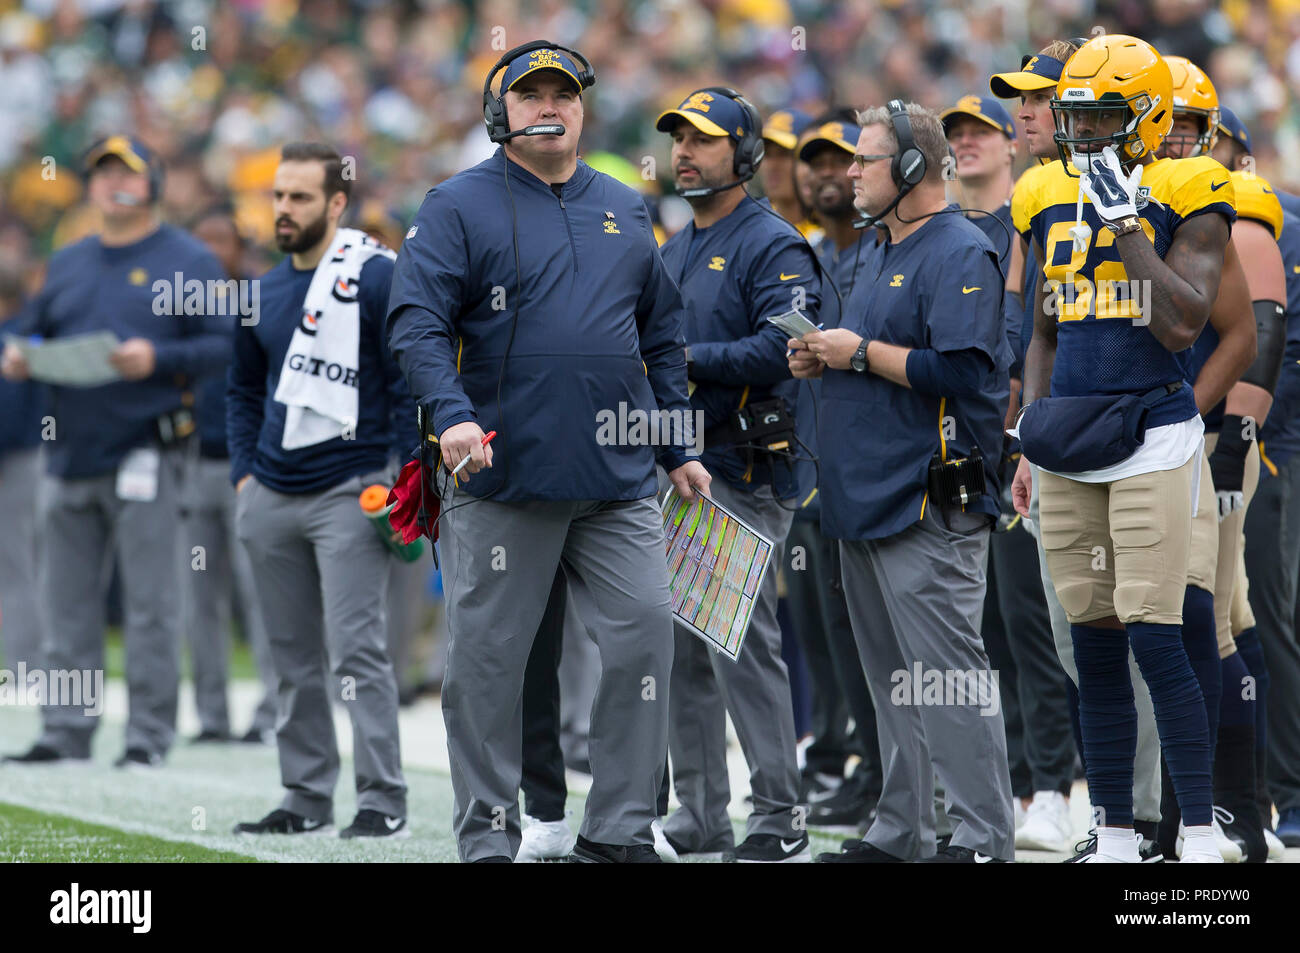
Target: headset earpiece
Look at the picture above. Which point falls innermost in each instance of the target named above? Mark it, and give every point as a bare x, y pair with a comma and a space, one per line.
909, 165
751, 148
495, 117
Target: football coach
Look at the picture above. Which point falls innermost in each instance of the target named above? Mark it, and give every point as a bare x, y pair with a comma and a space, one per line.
530, 299
914, 390
737, 263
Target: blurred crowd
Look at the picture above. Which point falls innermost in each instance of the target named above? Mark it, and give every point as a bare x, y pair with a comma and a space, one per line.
217, 87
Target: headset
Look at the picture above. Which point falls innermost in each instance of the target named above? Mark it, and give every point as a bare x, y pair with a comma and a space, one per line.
495, 117
908, 170
749, 150
155, 174
908, 166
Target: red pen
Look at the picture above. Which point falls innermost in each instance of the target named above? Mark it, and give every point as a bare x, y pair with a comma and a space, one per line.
487, 438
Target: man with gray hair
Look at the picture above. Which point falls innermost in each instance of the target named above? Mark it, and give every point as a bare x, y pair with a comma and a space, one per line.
914, 388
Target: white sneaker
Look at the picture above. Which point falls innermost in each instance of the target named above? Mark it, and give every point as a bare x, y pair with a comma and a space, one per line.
662, 847
545, 840
1229, 849
1206, 846
1105, 853
1276, 849
1019, 811
1047, 823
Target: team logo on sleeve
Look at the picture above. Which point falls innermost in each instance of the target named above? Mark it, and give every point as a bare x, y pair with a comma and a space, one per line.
310, 321
611, 226
717, 263
345, 290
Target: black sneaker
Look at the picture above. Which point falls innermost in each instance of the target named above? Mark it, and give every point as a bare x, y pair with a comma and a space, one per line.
851, 843
959, 855
589, 852
138, 758
281, 821
494, 859
37, 754
257, 736
769, 849
859, 853
376, 824
208, 736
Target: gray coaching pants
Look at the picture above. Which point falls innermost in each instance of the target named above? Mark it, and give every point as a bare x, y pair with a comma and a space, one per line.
1146, 763
755, 690
84, 525
322, 580
917, 597
500, 560
20, 599
209, 521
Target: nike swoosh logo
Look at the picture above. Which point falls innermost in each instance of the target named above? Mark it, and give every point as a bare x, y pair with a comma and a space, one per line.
785, 277
392, 823
982, 859
790, 847
1215, 188
966, 291
312, 825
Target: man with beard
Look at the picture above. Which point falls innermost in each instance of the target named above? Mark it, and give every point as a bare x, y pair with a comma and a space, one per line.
314, 407
737, 263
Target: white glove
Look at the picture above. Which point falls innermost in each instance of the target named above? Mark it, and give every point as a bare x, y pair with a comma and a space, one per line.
1113, 194
1229, 500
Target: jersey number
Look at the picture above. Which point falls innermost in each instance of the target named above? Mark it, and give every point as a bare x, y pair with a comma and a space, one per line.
1074, 295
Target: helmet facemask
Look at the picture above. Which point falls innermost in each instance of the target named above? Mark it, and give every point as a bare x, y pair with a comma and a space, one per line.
1207, 121
1079, 118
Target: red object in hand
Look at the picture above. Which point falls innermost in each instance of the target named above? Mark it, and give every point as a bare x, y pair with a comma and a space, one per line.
412, 491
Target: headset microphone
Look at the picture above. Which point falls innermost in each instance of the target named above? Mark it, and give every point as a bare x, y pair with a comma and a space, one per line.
546, 129
870, 220
712, 190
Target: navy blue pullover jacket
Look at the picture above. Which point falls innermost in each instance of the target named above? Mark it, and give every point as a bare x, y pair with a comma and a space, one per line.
92, 287
596, 326
733, 276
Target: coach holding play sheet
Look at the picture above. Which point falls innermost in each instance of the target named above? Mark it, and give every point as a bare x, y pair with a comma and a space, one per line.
528, 297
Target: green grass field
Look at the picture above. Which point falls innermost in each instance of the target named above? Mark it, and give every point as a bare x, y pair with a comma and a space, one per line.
28, 836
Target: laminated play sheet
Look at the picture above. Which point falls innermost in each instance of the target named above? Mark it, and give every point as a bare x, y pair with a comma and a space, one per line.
716, 564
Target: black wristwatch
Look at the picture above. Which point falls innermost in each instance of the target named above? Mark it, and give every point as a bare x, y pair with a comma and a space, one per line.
859, 359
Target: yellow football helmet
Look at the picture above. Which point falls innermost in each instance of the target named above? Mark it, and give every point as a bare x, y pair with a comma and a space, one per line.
1115, 90
1194, 95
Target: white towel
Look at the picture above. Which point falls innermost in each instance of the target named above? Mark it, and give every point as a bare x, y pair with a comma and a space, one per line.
318, 381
